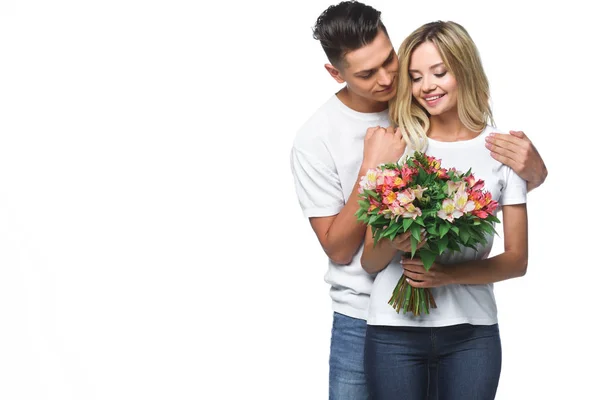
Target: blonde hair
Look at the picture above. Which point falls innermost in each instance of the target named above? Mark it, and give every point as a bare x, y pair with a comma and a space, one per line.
461, 58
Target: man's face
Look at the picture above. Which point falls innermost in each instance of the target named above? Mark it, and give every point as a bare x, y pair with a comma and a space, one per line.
370, 72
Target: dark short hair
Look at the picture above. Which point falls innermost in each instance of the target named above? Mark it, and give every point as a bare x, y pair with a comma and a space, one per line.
345, 27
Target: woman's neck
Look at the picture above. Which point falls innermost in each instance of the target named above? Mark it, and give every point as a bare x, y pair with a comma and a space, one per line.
444, 128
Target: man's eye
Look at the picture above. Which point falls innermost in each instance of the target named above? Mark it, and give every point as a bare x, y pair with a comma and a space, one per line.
367, 76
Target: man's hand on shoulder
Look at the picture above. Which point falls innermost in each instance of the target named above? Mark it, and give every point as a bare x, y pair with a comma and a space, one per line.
518, 152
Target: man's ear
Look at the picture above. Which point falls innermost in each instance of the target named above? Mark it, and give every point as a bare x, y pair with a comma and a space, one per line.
335, 73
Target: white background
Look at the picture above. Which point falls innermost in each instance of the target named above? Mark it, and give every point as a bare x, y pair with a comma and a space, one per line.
151, 244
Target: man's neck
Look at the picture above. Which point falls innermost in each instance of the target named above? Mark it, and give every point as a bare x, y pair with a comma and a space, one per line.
359, 103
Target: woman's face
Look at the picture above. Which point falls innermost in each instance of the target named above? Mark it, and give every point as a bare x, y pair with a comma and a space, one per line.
433, 86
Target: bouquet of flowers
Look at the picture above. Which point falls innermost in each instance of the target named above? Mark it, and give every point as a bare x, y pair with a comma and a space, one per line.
452, 207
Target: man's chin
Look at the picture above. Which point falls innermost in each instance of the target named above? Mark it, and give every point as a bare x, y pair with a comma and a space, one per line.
386, 96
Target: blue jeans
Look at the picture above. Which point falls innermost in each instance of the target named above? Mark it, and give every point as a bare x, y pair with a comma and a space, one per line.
468, 359
347, 379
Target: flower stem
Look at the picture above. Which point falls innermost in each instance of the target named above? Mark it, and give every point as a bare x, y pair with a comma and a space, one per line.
409, 299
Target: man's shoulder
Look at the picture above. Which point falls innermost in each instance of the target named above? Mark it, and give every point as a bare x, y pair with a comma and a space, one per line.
318, 126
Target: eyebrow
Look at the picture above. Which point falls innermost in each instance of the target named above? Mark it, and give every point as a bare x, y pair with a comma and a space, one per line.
366, 71
432, 67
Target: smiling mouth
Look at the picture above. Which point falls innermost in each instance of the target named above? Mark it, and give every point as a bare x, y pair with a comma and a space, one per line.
434, 98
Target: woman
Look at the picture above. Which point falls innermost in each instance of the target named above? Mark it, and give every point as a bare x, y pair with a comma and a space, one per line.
442, 105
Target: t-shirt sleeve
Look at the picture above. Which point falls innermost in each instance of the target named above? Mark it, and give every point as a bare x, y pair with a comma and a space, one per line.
514, 190
317, 184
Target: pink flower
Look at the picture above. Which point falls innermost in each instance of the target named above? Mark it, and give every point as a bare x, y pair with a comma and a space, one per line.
474, 184
462, 202
389, 196
411, 211
407, 173
480, 213
396, 209
454, 187
368, 181
418, 191
406, 196
449, 211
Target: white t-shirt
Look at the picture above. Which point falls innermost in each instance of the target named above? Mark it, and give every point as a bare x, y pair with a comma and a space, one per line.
456, 304
326, 157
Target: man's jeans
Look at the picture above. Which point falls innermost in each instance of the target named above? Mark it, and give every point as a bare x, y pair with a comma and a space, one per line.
347, 379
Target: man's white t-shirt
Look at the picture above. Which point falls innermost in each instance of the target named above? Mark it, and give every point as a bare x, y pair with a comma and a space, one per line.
456, 304
325, 159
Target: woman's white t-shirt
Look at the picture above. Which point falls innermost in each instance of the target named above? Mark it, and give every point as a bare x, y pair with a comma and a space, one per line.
456, 304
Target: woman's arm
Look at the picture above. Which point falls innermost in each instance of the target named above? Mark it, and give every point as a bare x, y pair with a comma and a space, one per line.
376, 257
511, 263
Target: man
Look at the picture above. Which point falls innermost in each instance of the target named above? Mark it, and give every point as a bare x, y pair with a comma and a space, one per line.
345, 137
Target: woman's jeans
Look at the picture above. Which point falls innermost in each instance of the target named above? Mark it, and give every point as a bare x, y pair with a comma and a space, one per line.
347, 380
468, 358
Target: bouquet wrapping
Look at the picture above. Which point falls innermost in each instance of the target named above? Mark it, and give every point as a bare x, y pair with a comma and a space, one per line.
452, 208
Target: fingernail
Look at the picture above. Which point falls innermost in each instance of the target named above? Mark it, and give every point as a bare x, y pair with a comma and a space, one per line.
488, 145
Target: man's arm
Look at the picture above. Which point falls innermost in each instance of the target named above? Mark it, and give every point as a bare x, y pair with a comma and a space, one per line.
519, 153
341, 235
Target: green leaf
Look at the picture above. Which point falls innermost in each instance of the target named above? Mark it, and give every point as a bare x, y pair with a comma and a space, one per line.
442, 244
486, 226
387, 233
415, 230
406, 223
376, 237
394, 230
464, 235
472, 246
432, 230
413, 246
444, 228
427, 257
492, 218
452, 245
371, 193
364, 204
